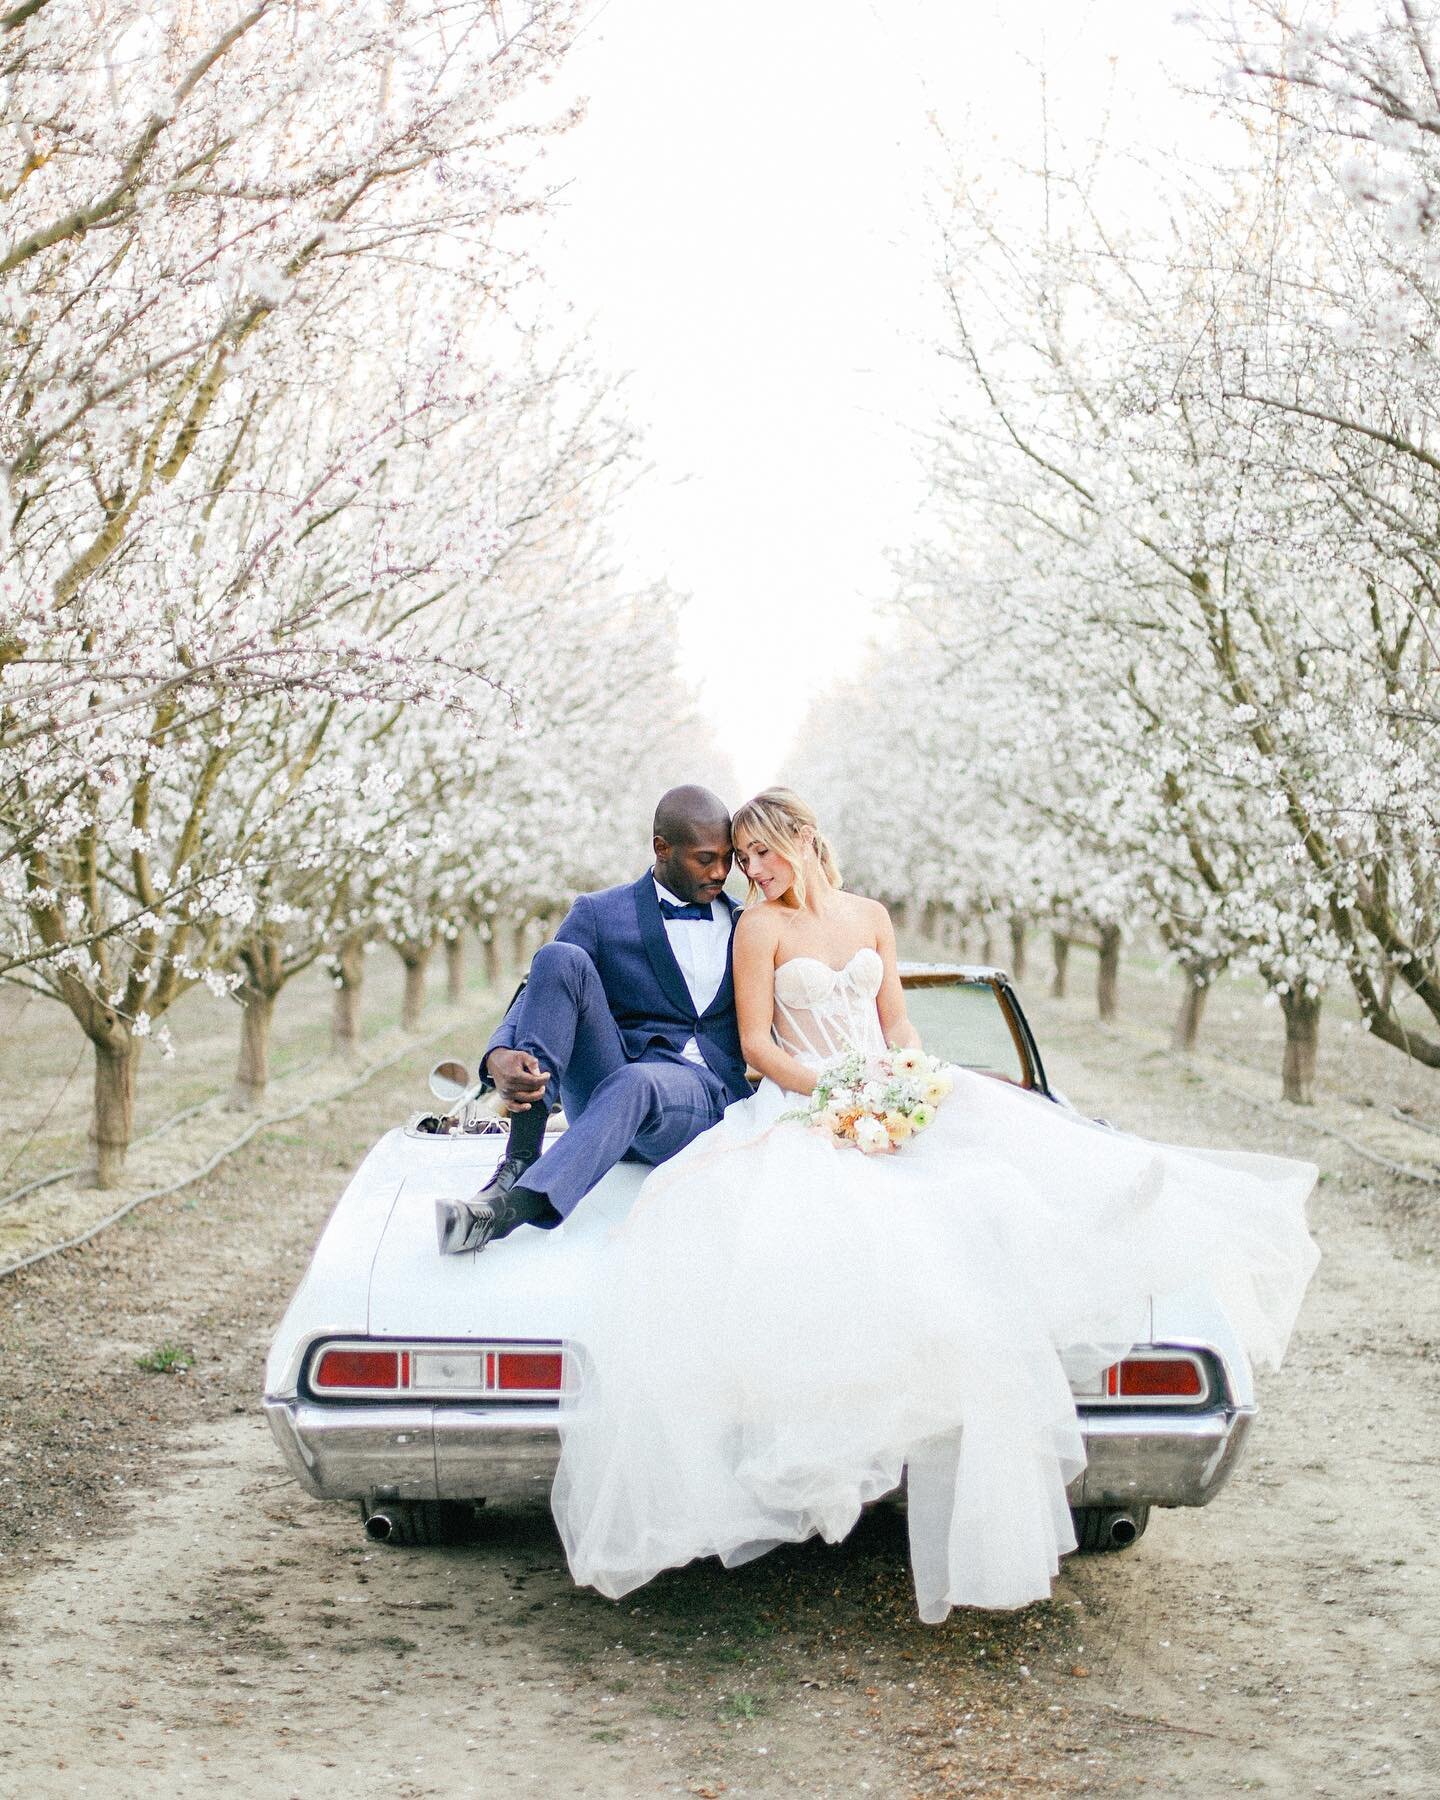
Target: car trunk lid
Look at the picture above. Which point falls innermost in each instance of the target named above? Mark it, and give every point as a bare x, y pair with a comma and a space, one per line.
532, 1285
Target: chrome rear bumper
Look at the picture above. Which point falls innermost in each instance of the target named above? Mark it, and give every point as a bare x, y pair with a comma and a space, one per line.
1159, 1458
507, 1454
501, 1454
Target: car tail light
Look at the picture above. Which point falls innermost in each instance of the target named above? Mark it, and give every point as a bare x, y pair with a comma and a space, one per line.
363, 1369
1144, 1376
473, 1370
529, 1369
1175, 1376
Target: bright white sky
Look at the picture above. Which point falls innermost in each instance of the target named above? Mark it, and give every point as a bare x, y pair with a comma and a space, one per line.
746, 232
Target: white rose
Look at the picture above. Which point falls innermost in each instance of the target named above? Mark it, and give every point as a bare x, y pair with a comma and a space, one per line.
871, 1135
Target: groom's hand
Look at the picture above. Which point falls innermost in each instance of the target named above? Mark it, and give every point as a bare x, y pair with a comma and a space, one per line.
519, 1079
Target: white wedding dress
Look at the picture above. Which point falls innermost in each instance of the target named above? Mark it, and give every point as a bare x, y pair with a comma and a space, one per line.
785, 1324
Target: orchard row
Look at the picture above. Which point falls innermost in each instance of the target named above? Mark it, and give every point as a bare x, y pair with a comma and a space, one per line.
310, 631
1169, 660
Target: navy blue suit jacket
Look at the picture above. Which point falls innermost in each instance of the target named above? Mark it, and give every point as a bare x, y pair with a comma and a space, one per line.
620, 929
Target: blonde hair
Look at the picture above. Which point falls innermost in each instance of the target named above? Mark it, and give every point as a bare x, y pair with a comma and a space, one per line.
785, 824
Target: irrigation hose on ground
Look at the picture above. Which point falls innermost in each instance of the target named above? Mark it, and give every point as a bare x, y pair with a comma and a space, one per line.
174, 1187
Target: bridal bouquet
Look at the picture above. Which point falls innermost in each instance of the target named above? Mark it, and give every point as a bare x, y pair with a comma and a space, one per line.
876, 1102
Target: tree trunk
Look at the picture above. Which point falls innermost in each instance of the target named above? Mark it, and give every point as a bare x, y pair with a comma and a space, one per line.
455, 968
1017, 949
1192, 1010
252, 1070
1107, 980
494, 962
1060, 950
987, 939
416, 958
112, 1124
345, 1014
1302, 1038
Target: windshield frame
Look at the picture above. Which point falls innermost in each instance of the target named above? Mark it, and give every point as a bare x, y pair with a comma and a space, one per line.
932, 975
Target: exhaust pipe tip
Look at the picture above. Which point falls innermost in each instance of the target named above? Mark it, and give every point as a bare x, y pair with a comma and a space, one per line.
381, 1526
1123, 1530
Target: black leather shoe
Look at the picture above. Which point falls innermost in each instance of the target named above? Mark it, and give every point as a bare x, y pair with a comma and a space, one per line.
498, 1187
460, 1225
498, 1209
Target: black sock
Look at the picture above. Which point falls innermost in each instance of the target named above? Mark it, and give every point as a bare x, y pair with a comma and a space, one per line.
527, 1131
524, 1206
532, 1205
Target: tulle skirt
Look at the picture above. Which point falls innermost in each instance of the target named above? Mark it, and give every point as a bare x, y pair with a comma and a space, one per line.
784, 1326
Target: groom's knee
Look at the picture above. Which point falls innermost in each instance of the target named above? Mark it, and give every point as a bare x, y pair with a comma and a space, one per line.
561, 965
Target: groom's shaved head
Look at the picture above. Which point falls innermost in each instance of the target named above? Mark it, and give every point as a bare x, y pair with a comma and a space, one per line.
692, 843
687, 813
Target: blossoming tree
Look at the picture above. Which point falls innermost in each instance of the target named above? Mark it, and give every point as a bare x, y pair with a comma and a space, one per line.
201, 381
1183, 551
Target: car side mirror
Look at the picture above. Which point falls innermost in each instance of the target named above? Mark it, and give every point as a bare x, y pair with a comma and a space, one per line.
450, 1082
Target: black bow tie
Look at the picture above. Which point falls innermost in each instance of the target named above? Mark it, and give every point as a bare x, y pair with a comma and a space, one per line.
669, 910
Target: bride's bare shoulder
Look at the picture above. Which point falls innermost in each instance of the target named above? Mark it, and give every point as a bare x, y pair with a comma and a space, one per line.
758, 924
870, 911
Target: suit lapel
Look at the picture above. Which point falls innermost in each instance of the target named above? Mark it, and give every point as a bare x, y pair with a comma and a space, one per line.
657, 945
725, 993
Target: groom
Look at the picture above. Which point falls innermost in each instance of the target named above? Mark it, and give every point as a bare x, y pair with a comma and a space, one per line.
628, 1017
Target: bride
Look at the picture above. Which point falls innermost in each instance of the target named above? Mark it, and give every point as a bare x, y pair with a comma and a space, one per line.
785, 1325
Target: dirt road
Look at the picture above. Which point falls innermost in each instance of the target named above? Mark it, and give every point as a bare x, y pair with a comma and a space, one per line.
179, 1618
1289, 1635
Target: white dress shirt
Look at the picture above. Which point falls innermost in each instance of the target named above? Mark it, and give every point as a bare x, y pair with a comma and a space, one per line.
701, 950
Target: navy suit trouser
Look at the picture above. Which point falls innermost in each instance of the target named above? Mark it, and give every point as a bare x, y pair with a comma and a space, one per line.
614, 1107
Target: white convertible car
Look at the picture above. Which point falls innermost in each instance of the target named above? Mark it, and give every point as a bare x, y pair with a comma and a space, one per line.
421, 1386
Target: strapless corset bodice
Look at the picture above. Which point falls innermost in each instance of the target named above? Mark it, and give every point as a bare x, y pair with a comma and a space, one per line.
822, 1012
